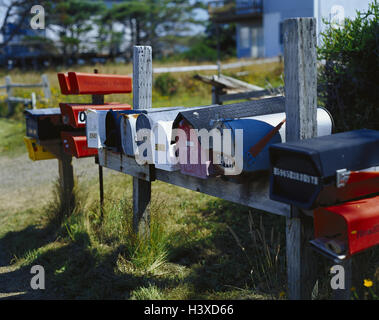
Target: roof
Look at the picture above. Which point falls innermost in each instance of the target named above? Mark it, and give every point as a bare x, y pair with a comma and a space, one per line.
204, 118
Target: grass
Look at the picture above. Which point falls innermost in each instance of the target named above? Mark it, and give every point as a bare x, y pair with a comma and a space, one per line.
199, 247
11, 133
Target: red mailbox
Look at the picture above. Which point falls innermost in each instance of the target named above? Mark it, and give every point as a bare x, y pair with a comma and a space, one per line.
348, 228
93, 83
76, 145
64, 83
73, 114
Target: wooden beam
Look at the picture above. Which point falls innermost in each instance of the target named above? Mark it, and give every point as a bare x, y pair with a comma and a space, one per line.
123, 163
301, 112
252, 193
142, 99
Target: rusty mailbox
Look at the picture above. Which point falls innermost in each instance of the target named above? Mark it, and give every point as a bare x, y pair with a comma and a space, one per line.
44, 124
193, 153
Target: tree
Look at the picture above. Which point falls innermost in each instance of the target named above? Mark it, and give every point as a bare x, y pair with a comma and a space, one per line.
16, 12
348, 82
204, 48
150, 20
74, 19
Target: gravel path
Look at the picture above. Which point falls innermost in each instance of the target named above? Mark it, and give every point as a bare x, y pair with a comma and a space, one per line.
23, 183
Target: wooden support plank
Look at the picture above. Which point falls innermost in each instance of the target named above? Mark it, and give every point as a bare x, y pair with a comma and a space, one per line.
301, 112
122, 163
253, 193
142, 99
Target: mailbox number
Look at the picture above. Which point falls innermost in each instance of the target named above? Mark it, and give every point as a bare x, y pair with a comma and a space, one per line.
82, 117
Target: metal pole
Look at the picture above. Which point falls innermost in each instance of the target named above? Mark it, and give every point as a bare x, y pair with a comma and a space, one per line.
99, 99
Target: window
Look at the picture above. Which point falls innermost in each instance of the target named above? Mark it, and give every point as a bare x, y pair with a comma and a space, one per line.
245, 37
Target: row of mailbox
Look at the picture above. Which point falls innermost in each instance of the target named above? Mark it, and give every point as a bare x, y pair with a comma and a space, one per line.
326, 174
188, 150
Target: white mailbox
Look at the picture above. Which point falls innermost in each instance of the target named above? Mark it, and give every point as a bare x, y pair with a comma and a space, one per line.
95, 128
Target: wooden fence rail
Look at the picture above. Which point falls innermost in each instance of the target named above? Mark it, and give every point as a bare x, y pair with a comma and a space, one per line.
11, 100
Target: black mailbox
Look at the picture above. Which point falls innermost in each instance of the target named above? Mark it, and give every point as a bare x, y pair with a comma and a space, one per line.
112, 127
325, 170
44, 124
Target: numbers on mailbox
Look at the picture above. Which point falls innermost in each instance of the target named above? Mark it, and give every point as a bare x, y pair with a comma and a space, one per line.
82, 117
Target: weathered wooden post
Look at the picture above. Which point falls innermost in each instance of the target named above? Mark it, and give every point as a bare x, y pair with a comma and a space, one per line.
66, 180
46, 87
142, 99
301, 109
216, 93
9, 90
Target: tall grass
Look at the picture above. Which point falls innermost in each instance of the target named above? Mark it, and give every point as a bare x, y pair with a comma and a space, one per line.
264, 254
145, 253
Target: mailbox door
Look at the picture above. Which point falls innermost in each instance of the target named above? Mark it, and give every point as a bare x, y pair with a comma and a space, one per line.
113, 127
190, 159
75, 116
163, 150
253, 153
44, 127
354, 223
129, 134
95, 128
36, 151
76, 145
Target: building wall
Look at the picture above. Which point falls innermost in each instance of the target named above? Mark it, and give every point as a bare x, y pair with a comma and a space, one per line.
336, 10
250, 40
269, 36
275, 12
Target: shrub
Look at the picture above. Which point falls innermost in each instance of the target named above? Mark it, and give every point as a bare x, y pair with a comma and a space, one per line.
348, 81
166, 84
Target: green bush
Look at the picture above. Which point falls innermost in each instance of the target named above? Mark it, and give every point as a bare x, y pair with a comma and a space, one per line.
166, 84
201, 52
348, 81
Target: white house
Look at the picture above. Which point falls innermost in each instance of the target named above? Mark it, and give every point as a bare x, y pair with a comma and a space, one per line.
259, 22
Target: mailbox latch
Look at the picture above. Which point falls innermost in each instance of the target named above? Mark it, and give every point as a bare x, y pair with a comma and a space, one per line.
343, 176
